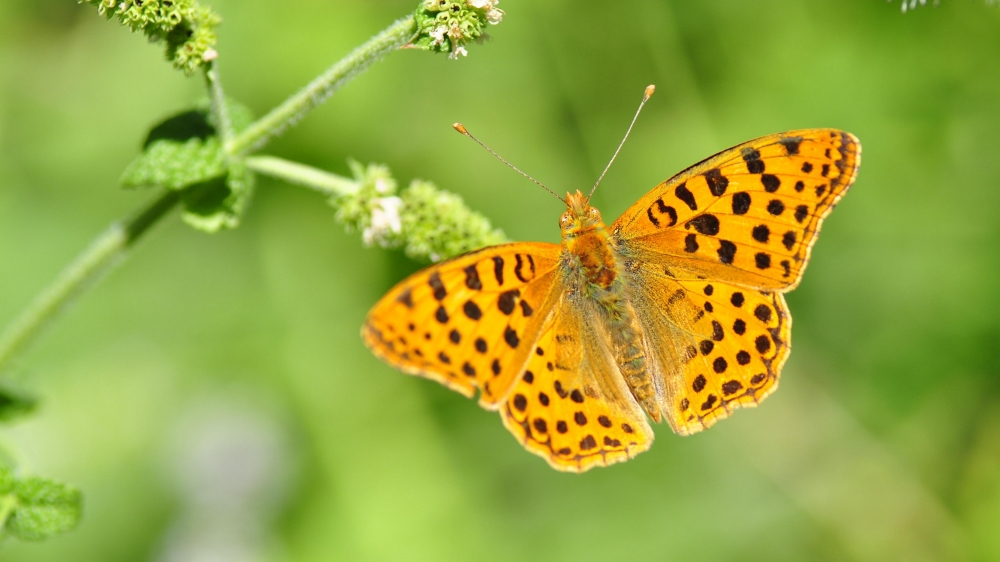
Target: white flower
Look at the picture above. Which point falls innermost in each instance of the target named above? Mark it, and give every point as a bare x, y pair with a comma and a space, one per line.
382, 186
458, 51
438, 35
385, 220
210, 55
482, 4
494, 16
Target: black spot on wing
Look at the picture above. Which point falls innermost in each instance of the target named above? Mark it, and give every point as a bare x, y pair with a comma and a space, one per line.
761, 233
717, 183
685, 195
406, 297
741, 203
472, 280
752, 158
705, 224
690, 243
788, 240
434, 280
472, 310
771, 182
507, 301
658, 210
510, 336
727, 251
791, 144
519, 270
498, 269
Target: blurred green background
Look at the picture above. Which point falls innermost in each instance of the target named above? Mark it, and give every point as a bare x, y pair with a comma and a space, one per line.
213, 400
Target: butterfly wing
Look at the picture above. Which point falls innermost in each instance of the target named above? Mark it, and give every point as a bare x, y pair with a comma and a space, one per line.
748, 215
468, 322
571, 406
714, 346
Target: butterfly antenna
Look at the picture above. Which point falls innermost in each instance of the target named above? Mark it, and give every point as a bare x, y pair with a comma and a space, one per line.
461, 129
645, 97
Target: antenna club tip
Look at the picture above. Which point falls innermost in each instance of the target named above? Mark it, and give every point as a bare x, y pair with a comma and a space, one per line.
460, 128
649, 92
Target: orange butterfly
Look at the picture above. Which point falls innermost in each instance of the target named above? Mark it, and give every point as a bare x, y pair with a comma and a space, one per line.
674, 311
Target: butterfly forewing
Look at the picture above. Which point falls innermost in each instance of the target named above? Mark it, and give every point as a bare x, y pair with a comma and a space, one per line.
469, 322
748, 215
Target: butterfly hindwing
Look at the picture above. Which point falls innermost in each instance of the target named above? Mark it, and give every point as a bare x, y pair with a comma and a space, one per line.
717, 346
468, 322
748, 215
571, 405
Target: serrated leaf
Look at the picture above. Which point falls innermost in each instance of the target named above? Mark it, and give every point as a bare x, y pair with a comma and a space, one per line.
181, 151
14, 405
219, 203
44, 509
184, 153
37, 508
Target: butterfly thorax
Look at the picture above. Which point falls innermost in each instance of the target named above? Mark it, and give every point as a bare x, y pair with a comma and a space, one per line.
585, 239
590, 257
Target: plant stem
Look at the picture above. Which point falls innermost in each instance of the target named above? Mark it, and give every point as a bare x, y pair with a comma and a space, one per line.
103, 253
308, 98
112, 245
220, 112
7, 505
300, 174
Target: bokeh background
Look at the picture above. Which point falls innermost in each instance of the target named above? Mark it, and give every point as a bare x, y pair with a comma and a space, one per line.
213, 400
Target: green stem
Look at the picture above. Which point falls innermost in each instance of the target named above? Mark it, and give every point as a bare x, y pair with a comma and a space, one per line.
220, 112
8, 504
103, 253
300, 174
307, 99
112, 245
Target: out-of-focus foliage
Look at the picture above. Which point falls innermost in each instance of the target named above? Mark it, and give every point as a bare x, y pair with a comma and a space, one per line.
883, 442
35, 508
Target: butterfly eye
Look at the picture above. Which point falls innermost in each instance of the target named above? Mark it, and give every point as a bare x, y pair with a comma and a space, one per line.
565, 221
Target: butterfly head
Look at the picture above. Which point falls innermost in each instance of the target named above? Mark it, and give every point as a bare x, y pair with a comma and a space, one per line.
579, 217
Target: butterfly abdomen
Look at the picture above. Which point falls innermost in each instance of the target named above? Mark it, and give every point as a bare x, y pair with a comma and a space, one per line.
593, 261
626, 344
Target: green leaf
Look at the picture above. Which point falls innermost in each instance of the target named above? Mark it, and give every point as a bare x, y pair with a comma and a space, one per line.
181, 151
14, 405
220, 202
184, 153
37, 508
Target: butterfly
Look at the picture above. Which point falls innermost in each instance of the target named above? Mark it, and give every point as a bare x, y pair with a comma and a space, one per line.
673, 312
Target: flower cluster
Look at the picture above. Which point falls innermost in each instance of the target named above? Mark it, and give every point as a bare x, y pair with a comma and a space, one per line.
428, 223
912, 4
373, 209
446, 26
187, 28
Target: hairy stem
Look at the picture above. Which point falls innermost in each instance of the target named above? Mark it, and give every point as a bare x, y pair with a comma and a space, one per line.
112, 245
103, 253
300, 174
220, 113
7, 505
308, 98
